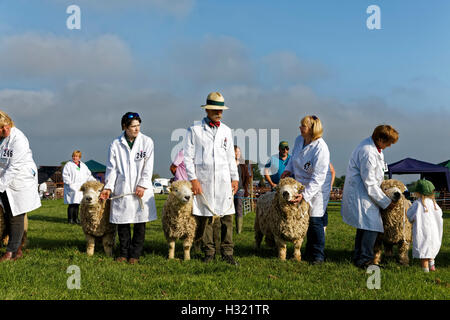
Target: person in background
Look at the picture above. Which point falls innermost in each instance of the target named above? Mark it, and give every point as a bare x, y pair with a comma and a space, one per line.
75, 173
128, 178
362, 197
244, 181
325, 215
426, 217
178, 168
18, 184
277, 164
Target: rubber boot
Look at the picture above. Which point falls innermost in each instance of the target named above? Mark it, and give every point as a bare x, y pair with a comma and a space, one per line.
69, 215
239, 223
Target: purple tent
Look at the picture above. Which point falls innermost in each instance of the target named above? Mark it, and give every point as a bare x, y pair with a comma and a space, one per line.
439, 175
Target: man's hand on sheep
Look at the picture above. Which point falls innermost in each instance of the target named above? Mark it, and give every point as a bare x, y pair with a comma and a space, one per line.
235, 186
139, 191
105, 194
286, 174
298, 198
196, 187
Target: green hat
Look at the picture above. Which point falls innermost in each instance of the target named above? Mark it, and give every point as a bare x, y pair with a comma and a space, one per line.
424, 187
283, 144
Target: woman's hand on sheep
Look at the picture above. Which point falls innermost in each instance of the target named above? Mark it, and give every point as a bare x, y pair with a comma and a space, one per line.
139, 191
286, 174
196, 187
105, 194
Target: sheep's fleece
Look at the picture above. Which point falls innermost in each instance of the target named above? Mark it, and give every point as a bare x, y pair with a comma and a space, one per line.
397, 228
281, 221
177, 219
94, 216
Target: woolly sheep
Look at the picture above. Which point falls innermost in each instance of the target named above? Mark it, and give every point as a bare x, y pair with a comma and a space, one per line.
397, 228
177, 219
280, 220
94, 216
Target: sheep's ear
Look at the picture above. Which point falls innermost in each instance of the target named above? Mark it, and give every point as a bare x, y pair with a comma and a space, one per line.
169, 189
301, 188
82, 188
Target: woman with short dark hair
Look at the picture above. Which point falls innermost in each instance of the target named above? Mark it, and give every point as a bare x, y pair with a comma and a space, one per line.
128, 178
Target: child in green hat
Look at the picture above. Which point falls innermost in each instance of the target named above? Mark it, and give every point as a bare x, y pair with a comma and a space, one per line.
426, 217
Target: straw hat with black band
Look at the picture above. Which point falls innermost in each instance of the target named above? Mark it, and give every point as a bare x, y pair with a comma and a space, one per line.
215, 101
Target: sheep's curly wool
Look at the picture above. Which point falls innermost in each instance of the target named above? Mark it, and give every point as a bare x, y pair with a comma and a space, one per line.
177, 219
397, 228
281, 221
95, 220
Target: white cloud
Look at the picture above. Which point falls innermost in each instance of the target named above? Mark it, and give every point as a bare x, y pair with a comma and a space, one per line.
54, 58
26, 102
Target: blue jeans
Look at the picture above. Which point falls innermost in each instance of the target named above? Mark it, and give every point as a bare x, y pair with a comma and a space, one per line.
315, 240
364, 243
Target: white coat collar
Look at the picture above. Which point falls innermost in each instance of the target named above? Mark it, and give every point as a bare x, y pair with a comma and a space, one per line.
123, 140
375, 149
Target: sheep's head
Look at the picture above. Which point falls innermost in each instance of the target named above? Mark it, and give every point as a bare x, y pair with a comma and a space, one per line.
91, 192
287, 190
393, 189
182, 190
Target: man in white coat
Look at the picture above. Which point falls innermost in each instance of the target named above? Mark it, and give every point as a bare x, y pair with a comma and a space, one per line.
362, 197
128, 178
75, 174
18, 184
211, 167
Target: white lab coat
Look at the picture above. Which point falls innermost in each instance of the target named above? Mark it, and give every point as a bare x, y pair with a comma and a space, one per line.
311, 167
74, 177
362, 197
18, 173
125, 170
427, 229
211, 160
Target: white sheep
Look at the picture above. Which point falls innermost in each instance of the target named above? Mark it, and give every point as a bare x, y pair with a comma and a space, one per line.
280, 220
177, 219
94, 216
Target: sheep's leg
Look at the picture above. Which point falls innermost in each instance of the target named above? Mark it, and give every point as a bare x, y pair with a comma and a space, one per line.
388, 250
187, 244
171, 248
108, 244
297, 253
281, 245
403, 248
90, 245
258, 239
377, 250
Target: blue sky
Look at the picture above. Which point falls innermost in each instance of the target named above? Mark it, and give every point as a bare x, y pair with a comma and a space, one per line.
274, 61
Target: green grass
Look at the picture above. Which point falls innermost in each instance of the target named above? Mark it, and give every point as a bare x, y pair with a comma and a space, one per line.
54, 246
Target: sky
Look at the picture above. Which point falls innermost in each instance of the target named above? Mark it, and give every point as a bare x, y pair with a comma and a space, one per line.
273, 61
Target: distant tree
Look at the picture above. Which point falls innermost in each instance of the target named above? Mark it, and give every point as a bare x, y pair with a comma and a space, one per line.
63, 163
339, 182
256, 173
155, 176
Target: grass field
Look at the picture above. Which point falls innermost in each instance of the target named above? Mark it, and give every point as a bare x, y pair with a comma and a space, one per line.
55, 245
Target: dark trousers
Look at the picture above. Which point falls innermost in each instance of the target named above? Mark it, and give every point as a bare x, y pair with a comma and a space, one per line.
72, 212
238, 206
364, 243
315, 240
131, 247
206, 230
14, 225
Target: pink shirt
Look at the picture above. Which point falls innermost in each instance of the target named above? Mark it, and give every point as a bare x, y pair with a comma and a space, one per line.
180, 174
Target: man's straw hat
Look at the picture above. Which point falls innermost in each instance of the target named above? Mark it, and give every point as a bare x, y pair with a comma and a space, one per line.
215, 101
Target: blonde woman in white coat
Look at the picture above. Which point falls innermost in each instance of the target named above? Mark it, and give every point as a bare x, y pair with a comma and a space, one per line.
75, 174
310, 165
128, 178
18, 184
426, 217
362, 196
